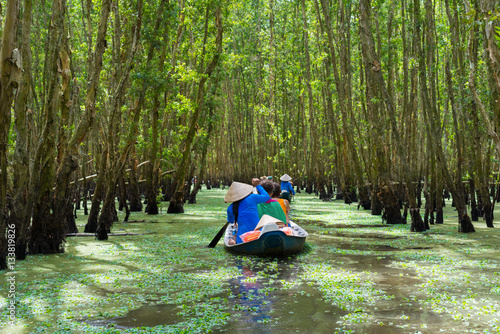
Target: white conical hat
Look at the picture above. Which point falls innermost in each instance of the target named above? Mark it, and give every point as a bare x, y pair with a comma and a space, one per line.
237, 191
266, 219
285, 177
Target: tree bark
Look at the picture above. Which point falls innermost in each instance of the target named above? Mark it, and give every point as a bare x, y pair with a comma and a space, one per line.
376, 87
117, 167
10, 76
177, 201
20, 214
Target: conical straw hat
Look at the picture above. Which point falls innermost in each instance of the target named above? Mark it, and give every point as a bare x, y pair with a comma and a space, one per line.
266, 219
237, 191
285, 177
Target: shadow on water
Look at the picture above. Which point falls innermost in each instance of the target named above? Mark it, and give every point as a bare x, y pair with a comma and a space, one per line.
145, 316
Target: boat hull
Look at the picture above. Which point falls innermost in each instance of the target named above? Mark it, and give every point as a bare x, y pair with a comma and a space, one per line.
270, 243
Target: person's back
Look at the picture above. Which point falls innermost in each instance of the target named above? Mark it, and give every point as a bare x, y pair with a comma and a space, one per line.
286, 186
272, 209
285, 204
247, 213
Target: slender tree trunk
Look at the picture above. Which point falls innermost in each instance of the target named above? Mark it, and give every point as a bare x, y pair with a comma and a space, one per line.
177, 201
206, 141
433, 117
133, 190
20, 214
99, 190
312, 169
10, 77
376, 87
117, 167
481, 166
50, 208
474, 212
47, 233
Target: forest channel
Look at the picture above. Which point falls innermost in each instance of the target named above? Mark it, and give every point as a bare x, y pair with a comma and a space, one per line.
357, 275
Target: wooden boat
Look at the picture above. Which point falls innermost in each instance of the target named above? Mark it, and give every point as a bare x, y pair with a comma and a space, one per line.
271, 242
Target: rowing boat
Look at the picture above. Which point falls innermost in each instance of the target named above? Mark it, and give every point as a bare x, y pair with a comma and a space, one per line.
271, 242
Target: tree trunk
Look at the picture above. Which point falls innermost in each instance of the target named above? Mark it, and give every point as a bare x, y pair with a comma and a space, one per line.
210, 104
95, 207
433, 131
108, 214
10, 77
47, 232
20, 214
474, 212
133, 189
376, 87
177, 201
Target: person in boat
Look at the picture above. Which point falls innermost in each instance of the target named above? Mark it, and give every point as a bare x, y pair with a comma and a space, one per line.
243, 209
272, 207
286, 187
285, 204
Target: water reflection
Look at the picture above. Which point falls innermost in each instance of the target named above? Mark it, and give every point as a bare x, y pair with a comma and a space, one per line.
147, 316
262, 304
249, 302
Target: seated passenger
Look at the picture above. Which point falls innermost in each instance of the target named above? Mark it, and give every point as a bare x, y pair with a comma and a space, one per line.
243, 210
272, 207
286, 187
285, 204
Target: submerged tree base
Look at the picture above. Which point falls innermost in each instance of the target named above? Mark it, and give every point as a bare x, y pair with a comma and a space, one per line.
417, 223
175, 207
465, 224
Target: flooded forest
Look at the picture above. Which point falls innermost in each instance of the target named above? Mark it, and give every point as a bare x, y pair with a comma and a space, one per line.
122, 124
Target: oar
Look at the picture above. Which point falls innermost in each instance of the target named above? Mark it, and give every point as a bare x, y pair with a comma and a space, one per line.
216, 239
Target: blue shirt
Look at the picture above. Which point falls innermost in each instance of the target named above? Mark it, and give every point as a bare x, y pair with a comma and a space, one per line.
287, 186
248, 215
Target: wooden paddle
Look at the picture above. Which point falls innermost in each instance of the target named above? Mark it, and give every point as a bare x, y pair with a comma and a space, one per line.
216, 239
